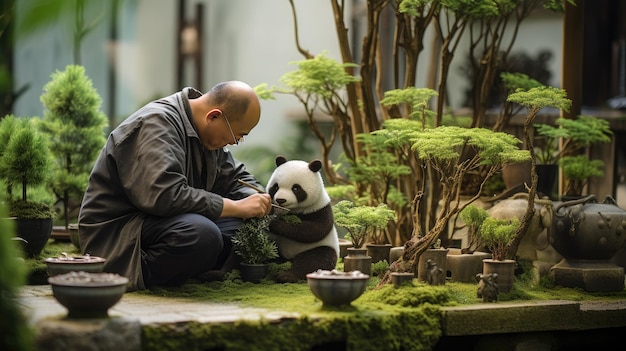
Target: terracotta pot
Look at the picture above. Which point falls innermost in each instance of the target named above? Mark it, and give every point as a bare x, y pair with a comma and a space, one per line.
357, 260
505, 270
344, 244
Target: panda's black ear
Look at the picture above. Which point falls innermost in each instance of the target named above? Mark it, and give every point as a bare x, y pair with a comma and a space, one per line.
280, 160
315, 165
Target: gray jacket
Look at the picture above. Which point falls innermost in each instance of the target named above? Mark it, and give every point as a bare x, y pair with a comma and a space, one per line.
153, 164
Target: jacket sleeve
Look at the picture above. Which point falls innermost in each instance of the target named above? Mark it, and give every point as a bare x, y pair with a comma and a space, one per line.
230, 170
153, 162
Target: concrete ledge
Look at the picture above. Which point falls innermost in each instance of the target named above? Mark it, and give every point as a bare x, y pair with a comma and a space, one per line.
522, 317
135, 313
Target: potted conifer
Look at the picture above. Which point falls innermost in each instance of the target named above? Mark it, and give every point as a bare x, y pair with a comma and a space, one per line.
76, 126
25, 162
255, 248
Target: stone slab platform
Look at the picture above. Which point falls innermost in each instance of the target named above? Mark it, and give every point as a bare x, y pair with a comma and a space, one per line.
134, 311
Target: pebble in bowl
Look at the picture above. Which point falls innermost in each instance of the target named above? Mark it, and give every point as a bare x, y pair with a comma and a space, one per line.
88, 295
66, 263
335, 288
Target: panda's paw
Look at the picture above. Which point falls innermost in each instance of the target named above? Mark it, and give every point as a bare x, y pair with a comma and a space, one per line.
287, 277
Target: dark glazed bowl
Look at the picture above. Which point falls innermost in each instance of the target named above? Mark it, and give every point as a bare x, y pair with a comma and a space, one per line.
336, 288
65, 264
88, 295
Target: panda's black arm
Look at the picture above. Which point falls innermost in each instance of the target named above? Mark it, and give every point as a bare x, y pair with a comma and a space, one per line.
311, 228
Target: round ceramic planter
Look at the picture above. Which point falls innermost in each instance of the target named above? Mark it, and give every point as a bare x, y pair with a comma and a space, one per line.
584, 229
65, 264
336, 288
88, 295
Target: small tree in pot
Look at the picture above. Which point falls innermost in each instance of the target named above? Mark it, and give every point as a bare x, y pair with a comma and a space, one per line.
254, 247
25, 162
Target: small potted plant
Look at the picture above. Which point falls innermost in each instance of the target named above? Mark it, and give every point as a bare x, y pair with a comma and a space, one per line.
24, 163
254, 247
360, 222
497, 235
576, 136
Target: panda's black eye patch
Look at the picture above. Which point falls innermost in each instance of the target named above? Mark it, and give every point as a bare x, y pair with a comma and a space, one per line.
273, 189
300, 193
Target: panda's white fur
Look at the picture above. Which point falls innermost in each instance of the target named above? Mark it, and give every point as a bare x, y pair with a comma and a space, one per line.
294, 185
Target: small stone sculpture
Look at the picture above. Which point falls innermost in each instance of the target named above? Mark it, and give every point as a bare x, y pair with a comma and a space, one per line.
487, 287
435, 274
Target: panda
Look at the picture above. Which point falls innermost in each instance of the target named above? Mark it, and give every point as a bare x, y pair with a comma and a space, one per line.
310, 243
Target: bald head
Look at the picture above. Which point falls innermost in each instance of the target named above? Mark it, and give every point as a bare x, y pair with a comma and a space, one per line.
237, 99
226, 113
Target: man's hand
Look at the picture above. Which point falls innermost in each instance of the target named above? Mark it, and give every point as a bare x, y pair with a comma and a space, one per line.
255, 205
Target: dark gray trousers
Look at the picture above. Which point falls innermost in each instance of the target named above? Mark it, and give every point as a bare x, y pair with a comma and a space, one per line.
177, 248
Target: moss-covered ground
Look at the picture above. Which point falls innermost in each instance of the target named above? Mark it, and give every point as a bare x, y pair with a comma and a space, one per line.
387, 318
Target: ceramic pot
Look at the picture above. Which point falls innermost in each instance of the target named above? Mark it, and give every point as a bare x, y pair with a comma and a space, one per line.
344, 244
357, 260
378, 252
35, 232
505, 270
463, 267
65, 264
336, 288
88, 295
253, 272
401, 278
438, 256
584, 229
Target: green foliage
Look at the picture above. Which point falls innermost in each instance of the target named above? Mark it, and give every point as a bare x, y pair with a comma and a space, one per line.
251, 241
514, 80
580, 167
30, 210
497, 233
473, 216
76, 128
577, 134
26, 157
15, 334
361, 221
380, 268
540, 97
320, 76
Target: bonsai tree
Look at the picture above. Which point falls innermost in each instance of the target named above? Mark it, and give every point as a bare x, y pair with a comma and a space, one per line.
26, 163
534, 99
473, 217
351, 93
251, 241
578, 170
361, 221
76, 126
575, 137
497, 235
